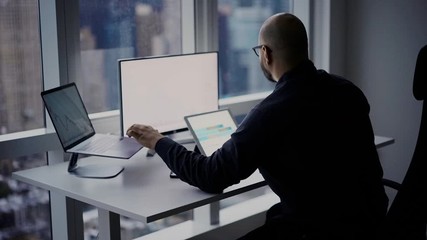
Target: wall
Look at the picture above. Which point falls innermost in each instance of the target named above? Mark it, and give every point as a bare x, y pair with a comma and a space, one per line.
382, 41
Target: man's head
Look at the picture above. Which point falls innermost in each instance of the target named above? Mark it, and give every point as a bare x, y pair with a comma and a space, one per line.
284, 44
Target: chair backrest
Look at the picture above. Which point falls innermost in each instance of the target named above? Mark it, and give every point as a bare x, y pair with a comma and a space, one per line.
407, 216
420, 76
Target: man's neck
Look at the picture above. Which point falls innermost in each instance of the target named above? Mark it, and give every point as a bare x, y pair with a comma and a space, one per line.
286, 67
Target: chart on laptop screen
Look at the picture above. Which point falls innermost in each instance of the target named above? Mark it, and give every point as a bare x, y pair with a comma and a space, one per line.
68, 113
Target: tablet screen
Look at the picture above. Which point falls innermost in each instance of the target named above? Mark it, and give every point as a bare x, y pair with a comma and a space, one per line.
211, 129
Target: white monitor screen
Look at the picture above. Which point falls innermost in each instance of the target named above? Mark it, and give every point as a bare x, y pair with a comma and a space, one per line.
160, 91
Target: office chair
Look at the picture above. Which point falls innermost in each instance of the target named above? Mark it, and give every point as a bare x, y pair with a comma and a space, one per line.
407, 216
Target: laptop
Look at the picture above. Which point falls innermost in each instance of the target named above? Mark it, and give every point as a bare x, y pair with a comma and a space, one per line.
74, 128
211, 130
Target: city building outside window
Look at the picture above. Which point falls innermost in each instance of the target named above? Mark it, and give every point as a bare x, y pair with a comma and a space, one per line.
116, 29
238, 26
113, 29
24, 209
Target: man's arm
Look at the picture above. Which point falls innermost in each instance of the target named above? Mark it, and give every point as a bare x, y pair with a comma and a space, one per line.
210, 174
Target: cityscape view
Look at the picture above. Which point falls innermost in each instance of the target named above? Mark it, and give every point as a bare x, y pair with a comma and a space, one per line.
24, 209
109, 30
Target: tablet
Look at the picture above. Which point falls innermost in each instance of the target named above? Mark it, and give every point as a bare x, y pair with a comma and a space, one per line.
211, 130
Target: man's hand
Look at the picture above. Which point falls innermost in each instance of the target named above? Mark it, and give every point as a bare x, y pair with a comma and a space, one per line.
145, 135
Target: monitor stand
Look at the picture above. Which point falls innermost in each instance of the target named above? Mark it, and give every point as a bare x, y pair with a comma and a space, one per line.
182, 137
92, 171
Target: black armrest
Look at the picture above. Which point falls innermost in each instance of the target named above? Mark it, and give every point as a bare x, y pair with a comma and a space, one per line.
391, 184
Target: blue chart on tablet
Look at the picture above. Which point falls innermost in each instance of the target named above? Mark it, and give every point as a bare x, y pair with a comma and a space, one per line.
211, 130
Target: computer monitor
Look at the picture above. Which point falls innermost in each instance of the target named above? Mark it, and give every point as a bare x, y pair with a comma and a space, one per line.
160, 91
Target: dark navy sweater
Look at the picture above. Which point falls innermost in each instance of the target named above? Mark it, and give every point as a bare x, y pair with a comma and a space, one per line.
312, 141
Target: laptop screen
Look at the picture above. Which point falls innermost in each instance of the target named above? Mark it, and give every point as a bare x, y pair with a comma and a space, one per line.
211, 129
68, 115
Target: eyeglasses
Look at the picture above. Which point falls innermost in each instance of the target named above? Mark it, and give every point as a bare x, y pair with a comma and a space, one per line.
257, 49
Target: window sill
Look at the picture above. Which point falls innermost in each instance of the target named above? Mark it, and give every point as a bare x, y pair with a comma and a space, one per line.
28, 142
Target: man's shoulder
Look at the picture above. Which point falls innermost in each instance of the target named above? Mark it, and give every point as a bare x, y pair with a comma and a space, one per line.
341, 89
338, 84
333, 79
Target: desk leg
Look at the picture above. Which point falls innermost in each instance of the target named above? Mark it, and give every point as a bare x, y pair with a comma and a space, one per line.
66, 218
208, 214
74, 219
109, 225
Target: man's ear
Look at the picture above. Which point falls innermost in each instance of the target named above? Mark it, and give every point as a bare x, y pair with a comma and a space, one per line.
267, 54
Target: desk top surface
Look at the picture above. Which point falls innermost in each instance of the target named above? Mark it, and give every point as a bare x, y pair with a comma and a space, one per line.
143, 191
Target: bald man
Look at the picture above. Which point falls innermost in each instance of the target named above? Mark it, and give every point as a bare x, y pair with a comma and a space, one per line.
311, 139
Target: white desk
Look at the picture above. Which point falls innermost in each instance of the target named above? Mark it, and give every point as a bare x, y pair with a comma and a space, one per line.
143, 191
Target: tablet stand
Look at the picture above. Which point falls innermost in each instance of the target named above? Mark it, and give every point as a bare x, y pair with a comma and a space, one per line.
92, 171
196, 149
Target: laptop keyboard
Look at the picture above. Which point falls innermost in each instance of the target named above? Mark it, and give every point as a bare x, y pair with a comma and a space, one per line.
100, 145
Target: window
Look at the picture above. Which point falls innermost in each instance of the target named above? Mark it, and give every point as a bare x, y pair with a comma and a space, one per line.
115, 29
238, 26
24, 209
20, 67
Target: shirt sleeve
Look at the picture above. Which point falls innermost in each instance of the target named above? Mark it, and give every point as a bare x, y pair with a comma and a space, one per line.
211, 174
